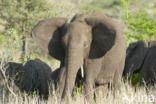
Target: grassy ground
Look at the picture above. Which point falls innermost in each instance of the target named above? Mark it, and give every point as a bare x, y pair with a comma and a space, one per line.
128, 95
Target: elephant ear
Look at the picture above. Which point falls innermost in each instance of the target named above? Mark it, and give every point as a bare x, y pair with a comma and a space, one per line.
79, 17
135, 56
104, 34
48, 34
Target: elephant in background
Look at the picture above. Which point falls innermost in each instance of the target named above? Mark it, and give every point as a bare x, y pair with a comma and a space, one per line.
141, 58
33, 76
92, 41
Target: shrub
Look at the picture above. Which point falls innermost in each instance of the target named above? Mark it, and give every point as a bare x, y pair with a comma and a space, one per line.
140, 26
20, 17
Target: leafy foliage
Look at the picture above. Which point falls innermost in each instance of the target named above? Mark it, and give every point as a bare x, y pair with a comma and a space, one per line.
19, 17
109, 7
21, 14
140, 26
134, 79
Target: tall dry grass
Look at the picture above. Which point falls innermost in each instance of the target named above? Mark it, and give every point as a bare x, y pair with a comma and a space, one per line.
128, 95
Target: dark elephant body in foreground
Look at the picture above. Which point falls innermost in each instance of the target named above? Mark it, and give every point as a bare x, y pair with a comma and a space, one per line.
94, 42
141, 58
33, 76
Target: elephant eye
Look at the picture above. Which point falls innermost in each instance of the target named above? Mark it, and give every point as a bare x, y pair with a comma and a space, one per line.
85, 45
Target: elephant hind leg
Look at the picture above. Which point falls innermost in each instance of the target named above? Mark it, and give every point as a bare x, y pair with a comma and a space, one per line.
117, 80
99, 94
116, 84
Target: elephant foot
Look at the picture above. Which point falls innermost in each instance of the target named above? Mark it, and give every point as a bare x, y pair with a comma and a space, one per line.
89, 99
67, 100
99, 95
100, 92
89, 95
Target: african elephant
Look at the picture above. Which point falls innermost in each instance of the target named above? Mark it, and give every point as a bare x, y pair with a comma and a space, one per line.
33, 76
141, 58
92, 41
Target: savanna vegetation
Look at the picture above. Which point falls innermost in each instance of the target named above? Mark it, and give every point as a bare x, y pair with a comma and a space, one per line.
18, 17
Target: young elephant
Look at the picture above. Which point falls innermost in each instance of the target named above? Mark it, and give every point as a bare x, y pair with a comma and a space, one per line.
33, 76
141, 58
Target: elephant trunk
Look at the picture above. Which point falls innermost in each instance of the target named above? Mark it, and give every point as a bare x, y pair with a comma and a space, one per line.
74, 61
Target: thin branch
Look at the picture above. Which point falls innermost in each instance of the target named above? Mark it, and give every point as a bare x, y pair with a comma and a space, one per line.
5, 78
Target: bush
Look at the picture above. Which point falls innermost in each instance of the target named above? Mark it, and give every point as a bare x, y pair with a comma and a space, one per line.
20, 17
140, 26
111, 7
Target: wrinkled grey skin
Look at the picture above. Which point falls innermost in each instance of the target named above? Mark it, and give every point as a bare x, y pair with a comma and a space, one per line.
95, 42
55, 75
141, 58
33, 76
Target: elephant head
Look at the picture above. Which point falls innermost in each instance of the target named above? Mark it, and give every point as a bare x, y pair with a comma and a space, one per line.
86, 37
135, 56
13, 69
33, 76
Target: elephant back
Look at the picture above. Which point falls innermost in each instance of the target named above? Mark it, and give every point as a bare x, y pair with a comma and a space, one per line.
135, 56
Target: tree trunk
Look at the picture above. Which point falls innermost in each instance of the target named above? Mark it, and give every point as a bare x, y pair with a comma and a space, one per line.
24, 46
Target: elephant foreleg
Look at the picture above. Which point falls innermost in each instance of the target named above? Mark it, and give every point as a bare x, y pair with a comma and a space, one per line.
61, 81
92, 69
